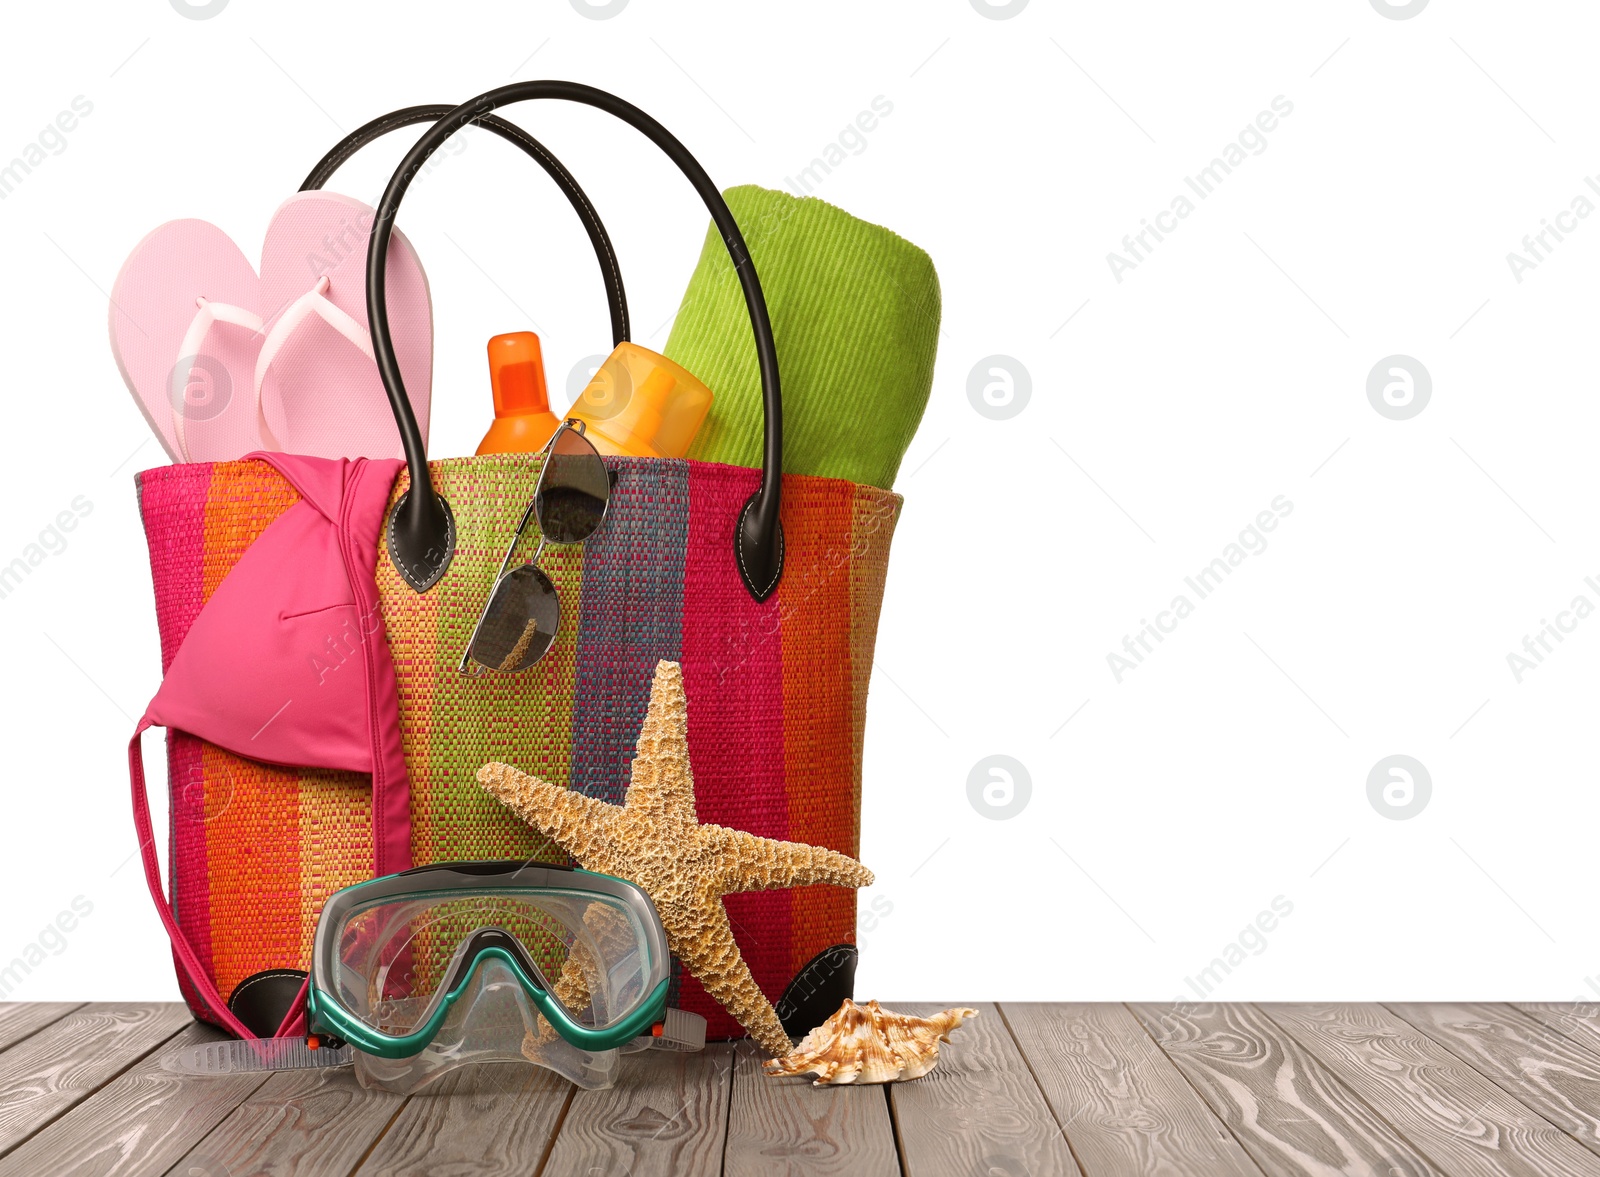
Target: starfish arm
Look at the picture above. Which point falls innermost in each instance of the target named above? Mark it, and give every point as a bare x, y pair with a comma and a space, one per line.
661, 782
569, 819
748, 863
702, 939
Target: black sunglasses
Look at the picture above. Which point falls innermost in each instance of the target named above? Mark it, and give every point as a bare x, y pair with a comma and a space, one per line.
523, 614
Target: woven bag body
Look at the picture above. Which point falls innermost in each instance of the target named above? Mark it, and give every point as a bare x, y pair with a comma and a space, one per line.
777, 696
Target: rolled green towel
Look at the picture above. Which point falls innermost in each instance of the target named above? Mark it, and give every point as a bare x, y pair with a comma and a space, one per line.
855, 312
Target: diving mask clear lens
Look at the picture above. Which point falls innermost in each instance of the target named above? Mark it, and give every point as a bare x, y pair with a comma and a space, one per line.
553, 965
492, 1021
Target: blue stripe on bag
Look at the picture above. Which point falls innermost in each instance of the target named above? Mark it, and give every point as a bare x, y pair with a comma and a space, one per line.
631, 617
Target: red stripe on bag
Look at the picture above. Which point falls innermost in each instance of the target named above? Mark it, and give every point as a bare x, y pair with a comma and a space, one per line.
733, 672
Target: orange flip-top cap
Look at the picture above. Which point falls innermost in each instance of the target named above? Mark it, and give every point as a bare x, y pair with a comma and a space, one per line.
516, 371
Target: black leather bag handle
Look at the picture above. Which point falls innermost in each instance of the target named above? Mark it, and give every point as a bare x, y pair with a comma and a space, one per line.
421, 527
410, 115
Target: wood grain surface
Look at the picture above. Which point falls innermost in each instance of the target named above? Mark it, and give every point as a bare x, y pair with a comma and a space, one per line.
70, 1059
1288, 1110
141, 1122
1541, 1067
1448, 1110
980, 1110
1122, 1102
299, 1123
22, 1019
1210, 1090
495, 1120
1578, 1020
666, 1117
785, 1127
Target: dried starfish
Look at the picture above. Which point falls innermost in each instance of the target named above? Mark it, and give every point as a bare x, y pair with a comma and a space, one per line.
656, 839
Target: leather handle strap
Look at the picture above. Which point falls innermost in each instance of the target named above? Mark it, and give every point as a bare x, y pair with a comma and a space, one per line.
610, 273
422, 528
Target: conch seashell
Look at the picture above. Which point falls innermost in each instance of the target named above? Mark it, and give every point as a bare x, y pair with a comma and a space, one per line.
869, 1044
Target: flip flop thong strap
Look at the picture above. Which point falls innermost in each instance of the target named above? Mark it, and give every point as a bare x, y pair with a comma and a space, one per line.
193, 347
314, 303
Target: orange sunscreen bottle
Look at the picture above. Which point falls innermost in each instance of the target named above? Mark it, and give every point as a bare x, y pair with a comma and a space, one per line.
523, 421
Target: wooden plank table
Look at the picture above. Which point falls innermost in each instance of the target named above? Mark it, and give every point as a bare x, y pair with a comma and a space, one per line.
1098, 1090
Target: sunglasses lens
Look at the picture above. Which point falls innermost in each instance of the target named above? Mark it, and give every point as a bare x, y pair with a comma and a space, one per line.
573, 490
520, 623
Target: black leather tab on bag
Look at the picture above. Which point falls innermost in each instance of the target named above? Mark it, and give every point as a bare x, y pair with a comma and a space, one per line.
818, 990
420, 548
262, 1000
760, 555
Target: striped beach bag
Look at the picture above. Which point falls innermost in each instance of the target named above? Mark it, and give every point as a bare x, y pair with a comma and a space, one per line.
765, 587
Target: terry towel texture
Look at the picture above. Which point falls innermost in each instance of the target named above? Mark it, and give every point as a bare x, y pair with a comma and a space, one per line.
855, 311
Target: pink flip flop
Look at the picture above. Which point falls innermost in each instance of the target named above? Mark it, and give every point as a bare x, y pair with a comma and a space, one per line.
222, 362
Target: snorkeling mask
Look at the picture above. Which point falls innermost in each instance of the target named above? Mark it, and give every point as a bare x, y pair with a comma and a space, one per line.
467, 962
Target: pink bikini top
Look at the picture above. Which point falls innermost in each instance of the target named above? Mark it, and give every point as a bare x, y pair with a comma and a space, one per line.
288, 663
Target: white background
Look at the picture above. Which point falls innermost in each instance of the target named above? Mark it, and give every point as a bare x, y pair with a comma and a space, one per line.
1167, 410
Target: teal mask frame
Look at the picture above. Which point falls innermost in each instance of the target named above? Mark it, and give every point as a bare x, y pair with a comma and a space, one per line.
328, 1016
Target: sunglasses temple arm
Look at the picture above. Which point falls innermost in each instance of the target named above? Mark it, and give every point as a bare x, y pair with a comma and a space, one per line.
466, 653
522, 526
516, 539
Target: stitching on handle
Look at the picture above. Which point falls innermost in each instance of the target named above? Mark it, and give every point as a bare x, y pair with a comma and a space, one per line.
738, 550
592, 218
449, 542
264, 975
